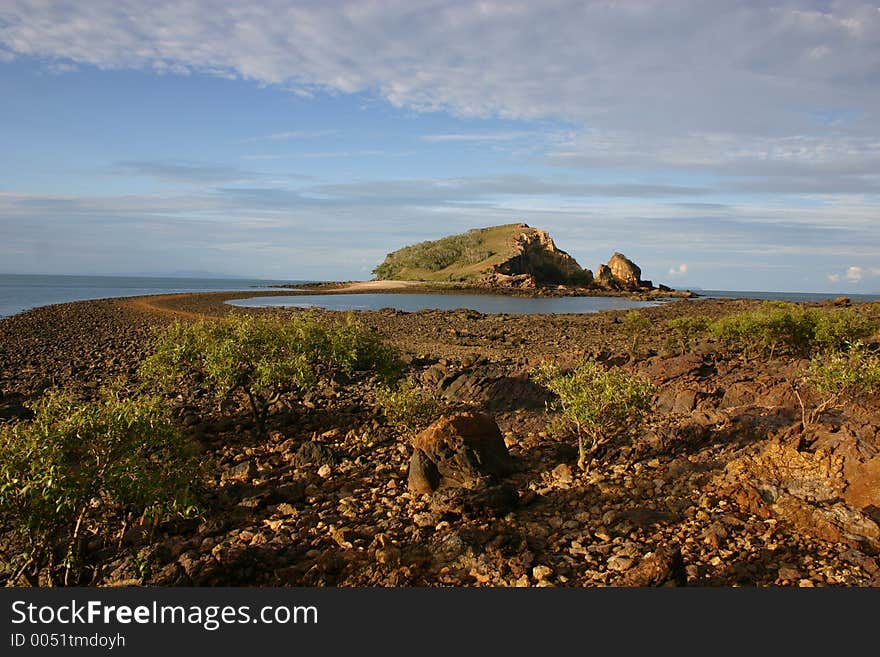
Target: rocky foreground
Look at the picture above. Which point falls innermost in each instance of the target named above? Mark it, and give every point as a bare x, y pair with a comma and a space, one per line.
724, 486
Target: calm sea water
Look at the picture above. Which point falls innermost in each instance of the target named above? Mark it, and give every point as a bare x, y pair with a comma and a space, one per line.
787, 296
19, 292
500, 304
483, 303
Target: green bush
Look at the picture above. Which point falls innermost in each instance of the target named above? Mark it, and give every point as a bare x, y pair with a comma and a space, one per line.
266, 358
636, 326
840, 375
409, 406
834, 329
435, 255
779, 327
597, 404
76, 468
687, 330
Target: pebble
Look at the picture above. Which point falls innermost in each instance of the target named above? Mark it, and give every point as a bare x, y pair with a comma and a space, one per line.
619, 564
541, 572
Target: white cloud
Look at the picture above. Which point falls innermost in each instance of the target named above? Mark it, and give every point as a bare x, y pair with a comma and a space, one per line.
855, 274
681, 270
647, 83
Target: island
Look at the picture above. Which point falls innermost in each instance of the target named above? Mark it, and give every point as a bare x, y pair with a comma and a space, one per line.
514, 257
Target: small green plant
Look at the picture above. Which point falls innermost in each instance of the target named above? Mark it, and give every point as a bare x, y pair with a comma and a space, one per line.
409, 406
265, 358
687, 330
80, 468
598, 404
636, 326
840, 375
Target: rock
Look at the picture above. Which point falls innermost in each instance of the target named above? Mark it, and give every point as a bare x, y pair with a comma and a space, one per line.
789, 573
390, 554
541, 572
244, 471
286, 509
605, 278
625, 271
494, 500
863, 485
324, 471
465, 448
292, 492
536, 255
423, 475
663, 567
619, 564
562, 473
312, 453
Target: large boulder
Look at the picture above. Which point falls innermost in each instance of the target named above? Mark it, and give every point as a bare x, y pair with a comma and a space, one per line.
459, 450
621, 273
625, 270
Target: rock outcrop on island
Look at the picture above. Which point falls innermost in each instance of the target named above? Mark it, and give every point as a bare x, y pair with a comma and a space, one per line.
621, 273
509, 256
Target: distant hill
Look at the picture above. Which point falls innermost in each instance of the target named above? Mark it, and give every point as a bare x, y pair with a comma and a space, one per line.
513, 254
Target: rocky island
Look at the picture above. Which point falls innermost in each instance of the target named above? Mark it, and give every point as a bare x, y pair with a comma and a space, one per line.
512, 256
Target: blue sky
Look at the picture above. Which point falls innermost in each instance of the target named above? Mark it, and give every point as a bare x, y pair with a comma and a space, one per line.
722, 146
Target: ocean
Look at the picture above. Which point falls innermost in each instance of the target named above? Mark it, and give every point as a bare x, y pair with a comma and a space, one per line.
20, 292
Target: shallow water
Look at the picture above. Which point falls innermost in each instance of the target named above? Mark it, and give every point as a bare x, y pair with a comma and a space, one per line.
483, 303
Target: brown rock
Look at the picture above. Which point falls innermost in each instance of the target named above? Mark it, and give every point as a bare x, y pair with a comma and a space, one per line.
244, 471
465, 448
625, 270
605, 278
863, 489
663, 567
423, 476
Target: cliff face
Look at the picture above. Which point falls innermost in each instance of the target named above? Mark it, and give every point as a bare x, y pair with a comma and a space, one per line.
535, 254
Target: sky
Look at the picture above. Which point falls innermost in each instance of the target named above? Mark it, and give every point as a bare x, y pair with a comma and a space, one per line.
719, 145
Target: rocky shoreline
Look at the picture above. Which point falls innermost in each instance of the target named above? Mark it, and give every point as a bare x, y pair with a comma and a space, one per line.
483, 287
724, 487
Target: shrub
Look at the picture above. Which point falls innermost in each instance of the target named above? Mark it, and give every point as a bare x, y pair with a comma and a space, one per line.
409, 406
635, 325
688, 329
598, 404
834, 329
266, 358
779, 327
435, 255
75, 466
837, 376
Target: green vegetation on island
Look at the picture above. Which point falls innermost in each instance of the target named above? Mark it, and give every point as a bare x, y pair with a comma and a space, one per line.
509, 250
